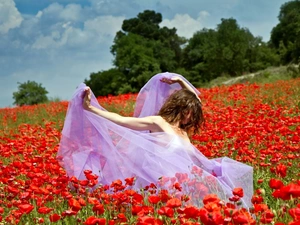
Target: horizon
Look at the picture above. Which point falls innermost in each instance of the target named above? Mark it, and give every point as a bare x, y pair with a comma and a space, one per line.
60, 43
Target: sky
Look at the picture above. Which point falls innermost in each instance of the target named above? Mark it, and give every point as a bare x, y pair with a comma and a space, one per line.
59, 43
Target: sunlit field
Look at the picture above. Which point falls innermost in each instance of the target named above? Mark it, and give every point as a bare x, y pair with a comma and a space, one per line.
257, 124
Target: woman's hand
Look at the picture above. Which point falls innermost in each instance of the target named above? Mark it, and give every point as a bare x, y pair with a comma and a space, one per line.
87, 98
180, 81
171, 80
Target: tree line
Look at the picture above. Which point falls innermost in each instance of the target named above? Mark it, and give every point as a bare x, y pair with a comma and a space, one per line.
142, 49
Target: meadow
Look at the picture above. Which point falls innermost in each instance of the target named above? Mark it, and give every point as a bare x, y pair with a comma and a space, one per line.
257, 124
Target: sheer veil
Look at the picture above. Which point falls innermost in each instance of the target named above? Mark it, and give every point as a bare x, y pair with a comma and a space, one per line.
90, 142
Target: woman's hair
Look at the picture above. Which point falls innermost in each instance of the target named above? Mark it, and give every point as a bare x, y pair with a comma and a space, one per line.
178, 106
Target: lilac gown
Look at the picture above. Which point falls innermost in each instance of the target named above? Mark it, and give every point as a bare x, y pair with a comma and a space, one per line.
90, 142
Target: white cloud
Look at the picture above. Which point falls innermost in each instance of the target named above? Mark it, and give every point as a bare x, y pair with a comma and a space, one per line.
186, 25
58, 47
99, 30
104, 25
69, 27
10, 17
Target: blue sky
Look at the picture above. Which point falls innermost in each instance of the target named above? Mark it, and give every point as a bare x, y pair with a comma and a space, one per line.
59, 43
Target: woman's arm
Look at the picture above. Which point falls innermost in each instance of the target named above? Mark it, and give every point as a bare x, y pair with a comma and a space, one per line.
181, 82
146, 123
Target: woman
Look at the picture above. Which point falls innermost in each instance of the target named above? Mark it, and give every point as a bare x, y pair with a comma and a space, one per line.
180, 114
116, 147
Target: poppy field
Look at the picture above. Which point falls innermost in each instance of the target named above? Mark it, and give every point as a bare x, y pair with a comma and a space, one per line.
257, 124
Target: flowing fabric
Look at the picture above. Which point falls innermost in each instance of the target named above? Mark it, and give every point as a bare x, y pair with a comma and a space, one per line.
90, 142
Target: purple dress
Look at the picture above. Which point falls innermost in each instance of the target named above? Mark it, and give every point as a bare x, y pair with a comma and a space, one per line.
90, 142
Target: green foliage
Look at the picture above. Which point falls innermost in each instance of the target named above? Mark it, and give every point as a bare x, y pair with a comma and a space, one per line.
227, 50
30, 93
141, 49
106, 82
285, 36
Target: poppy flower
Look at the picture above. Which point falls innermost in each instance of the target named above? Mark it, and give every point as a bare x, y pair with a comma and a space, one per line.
129, 181
54, 217
238, 191
166, 211
95, 221
26, 208
44, 210
74, 204
281, 170
153, 199
191, 212
295, 213
275, 184
267, 216
98, 209
173, 203
211, 198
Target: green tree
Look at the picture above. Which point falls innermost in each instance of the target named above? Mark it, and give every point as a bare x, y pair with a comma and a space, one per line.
229, 49
142, 48
286, 34
233, 43
259, 56
211, 53
30, 93
105, 82
200, 56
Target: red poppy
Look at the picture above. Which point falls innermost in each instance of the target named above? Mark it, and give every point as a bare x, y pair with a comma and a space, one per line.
121, 217
129, 181
136, 209
211, 198
82, 202
44, 210
238, 191
26, 208
153, 199
84, 182
281, 170
98, 209
234, 198
177, 186
95, 221
275, 184
166, 211
93, 200
295, 213
267, 216
69, 212
173, 203
137, 198
257, 199
191, 212
288, 191
74, 204
54, 217
145, 220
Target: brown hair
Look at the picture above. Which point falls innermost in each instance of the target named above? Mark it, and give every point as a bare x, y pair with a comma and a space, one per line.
178, 105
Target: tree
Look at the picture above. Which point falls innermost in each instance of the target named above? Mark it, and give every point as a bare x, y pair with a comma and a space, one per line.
106, 82
286, 34
211, 53
142, 48
200, 56
229, 49
30, 93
